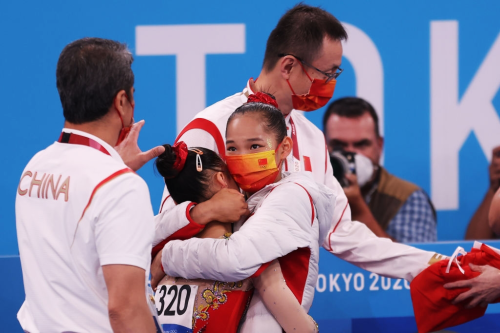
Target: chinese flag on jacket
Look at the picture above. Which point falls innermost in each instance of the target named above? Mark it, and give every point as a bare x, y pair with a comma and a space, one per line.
432, 302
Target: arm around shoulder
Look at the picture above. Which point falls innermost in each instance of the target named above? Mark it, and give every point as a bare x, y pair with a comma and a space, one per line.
175, 222
185, 220
270, 233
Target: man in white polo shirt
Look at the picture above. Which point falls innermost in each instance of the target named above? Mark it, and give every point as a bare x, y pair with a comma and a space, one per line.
301, 64
84, 219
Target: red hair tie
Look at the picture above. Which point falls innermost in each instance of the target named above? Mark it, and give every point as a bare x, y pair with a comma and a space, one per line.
181, 153
261, 97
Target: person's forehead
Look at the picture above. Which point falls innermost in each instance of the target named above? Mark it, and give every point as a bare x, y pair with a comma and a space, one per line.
330, 54
243, 126
346, 128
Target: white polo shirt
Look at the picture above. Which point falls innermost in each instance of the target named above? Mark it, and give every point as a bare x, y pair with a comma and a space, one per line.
78, 207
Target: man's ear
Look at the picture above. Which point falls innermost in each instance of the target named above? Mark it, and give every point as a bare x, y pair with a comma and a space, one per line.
286, 65
119, 102
286, 147
380, 141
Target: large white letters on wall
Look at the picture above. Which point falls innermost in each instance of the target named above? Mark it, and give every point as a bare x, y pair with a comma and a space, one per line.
365, 59
190, 44
452, 118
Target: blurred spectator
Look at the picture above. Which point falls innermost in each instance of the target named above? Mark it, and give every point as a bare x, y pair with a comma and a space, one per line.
484, 289
494, 215
402, 209
479, 228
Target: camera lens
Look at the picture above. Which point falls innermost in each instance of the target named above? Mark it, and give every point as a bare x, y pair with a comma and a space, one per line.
340, 166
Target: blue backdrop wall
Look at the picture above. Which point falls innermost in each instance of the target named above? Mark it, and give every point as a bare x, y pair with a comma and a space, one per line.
431, 68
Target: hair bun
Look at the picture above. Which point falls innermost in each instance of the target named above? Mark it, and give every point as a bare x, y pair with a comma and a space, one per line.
261, 97
165, 162
172, 160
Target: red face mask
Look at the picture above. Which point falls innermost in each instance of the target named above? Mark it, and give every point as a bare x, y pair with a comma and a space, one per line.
319, 94
125, 130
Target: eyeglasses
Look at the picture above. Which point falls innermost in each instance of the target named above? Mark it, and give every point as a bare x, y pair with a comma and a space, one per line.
330, 76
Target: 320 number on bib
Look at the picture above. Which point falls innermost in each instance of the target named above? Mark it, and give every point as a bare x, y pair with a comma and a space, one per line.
175, 305
181, 294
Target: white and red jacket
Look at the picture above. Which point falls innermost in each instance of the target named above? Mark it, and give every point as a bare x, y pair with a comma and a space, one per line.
78, 208
208, 130
348, 240
353, 242
291, 220
284, 222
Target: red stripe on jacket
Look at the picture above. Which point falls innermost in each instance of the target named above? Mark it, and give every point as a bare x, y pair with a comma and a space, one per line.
335, 228
210, 128
164, 200
106, 180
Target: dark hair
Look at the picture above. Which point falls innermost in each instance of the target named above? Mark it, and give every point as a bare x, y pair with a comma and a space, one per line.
351, 107
272, 117
301, 32
90, 72
189, 184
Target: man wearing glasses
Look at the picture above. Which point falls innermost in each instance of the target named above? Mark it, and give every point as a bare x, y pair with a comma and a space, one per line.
301, 64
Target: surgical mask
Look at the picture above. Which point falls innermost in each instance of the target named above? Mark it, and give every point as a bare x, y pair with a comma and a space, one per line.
319, 94
347, 162
125, 129
253, 171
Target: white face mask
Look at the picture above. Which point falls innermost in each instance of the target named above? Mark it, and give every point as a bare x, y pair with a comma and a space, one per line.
364, 169
346, 162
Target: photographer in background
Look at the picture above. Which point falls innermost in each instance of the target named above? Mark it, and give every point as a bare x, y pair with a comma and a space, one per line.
479, 228
402, 210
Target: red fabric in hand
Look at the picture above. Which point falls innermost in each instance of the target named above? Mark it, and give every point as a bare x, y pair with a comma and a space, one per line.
432, 302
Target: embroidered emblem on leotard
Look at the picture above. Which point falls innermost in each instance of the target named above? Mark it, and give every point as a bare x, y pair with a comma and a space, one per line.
214, 297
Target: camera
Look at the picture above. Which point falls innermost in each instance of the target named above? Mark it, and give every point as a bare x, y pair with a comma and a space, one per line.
344, 162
